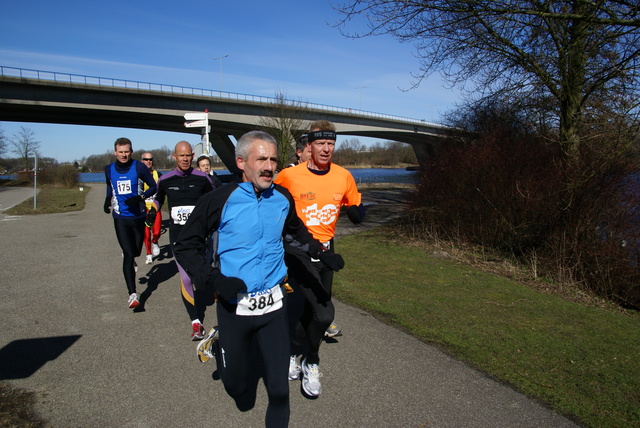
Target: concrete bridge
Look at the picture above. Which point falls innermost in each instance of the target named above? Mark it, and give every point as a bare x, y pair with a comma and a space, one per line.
50, 97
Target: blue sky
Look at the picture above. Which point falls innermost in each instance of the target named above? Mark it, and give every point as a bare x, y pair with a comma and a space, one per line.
283, 46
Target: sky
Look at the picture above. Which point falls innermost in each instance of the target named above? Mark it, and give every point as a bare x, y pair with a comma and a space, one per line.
281, 46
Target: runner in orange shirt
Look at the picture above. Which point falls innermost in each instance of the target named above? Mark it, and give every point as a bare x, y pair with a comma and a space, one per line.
319, 188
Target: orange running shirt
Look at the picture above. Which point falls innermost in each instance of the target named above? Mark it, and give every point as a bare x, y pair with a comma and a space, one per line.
319, 197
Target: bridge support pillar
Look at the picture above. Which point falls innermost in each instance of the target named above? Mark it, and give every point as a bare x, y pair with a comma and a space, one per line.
223, 146
423, 152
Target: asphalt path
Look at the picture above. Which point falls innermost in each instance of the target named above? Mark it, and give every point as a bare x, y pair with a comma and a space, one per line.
68, 335
11, 196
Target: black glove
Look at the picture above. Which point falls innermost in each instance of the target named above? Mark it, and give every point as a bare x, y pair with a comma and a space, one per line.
315, 248
356, 213
229, 286
107, 205
333, 261
133, 201
151, 217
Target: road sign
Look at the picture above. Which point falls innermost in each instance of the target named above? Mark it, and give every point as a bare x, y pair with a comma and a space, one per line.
196, 116
196, 123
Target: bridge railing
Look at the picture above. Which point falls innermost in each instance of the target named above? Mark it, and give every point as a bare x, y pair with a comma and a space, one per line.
185, 90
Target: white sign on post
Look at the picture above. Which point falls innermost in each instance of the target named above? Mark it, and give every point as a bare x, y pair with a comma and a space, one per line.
200, 120
196, 116
196, 123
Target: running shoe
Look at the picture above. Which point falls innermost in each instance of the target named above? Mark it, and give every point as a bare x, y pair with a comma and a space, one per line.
205, 347
311, 379
294, 368
149, 259
198, 331
133, 300
155, 249
333, 331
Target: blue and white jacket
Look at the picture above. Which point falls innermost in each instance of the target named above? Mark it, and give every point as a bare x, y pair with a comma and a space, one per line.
250, 229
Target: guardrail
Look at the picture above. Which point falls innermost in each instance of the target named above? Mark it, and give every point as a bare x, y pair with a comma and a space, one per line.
185, 90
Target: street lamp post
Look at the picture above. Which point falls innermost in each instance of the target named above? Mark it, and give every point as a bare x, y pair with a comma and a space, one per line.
220, 59
361, 88
35, 179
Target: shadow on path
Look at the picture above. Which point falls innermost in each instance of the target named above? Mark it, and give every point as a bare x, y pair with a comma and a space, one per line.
22, 358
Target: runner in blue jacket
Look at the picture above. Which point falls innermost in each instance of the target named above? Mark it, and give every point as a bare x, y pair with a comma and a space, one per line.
249, 219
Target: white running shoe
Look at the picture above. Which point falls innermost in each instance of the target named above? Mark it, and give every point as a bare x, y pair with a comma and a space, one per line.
149, 259
155, 249
198, 331
205, 348
133, 301
333, 331
294, 368
311, 379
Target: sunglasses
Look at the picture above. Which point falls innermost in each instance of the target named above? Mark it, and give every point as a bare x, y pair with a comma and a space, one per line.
147, 159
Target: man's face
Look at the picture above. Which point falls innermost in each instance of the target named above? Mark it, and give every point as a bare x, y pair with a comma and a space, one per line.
204, 166
147, 159
183, 156
260, 165
322, 151
123, 153
305, 154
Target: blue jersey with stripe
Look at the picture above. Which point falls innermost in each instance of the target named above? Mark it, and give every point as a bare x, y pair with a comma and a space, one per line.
125, 183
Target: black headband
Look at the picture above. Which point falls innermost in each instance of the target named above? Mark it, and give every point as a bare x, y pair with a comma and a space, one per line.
321, 135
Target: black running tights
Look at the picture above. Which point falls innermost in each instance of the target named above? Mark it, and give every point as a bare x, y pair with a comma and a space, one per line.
130, 234
250, 342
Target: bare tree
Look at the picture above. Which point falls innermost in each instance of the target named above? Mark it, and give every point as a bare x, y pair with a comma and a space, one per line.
3, 142
570, 52
25, 145
284, 123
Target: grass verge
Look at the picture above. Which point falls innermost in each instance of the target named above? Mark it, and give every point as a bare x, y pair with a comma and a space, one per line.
581, 360
52, 199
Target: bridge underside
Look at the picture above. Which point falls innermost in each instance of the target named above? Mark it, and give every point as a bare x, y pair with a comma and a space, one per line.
31, 100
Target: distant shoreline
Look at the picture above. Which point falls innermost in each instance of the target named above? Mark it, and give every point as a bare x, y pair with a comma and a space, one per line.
358, 166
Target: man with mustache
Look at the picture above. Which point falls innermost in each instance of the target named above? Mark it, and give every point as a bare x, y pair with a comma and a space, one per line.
249, 273
183, 186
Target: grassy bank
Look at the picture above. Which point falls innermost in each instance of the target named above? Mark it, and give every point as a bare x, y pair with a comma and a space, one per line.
581, 360
52, 199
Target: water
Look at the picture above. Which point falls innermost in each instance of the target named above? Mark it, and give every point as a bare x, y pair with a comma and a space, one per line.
361, 175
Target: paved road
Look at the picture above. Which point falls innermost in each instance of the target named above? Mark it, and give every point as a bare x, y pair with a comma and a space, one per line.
68, 335
10, 196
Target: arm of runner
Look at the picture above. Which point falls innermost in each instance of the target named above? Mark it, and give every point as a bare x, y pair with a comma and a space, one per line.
190, 248
151, 217
147, 178
353, 200
158, 199
107, 199
356, 213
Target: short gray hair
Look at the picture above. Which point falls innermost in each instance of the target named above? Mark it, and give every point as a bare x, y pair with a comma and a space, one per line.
243, 144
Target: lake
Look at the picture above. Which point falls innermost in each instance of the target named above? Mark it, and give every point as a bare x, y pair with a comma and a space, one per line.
361, 175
